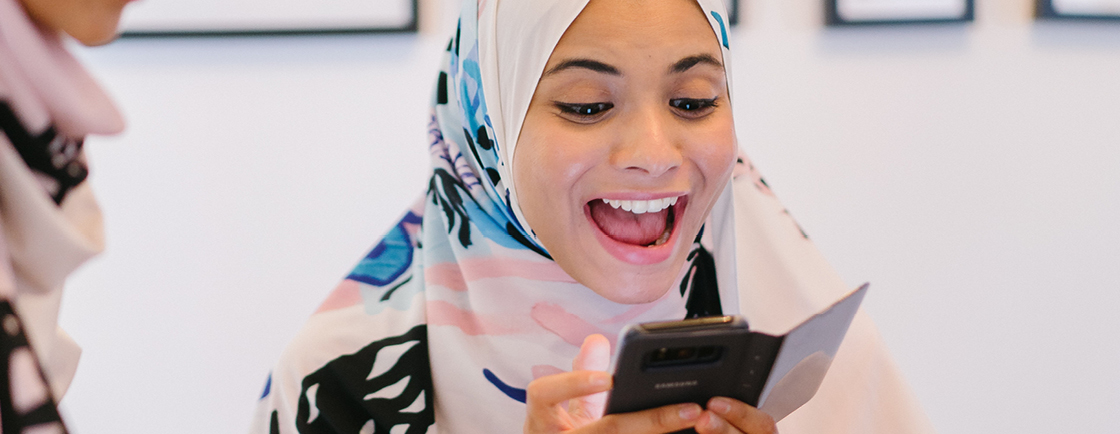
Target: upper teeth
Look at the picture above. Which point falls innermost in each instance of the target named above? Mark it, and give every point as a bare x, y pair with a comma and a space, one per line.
642, 206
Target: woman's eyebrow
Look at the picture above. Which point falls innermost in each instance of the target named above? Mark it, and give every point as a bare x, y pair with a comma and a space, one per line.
690, 61
593, 65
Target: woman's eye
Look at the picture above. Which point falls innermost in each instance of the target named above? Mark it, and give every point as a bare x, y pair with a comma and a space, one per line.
693, 107
584, 112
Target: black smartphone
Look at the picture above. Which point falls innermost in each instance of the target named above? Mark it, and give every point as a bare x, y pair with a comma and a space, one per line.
694, 360
691, 360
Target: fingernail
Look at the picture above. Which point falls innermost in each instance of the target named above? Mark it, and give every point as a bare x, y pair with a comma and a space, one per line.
714, 422
720, 405
690, 412
600, 379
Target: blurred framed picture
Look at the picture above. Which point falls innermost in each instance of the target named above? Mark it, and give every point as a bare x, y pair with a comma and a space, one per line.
1079, 9
732, 11
263, 17
849, 12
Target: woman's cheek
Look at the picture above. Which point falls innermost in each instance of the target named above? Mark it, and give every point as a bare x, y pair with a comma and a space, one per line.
726, 146
718, 156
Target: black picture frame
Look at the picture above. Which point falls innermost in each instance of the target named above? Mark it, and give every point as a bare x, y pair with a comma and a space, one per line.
1047, 10
833, 17
732, 12
409, 27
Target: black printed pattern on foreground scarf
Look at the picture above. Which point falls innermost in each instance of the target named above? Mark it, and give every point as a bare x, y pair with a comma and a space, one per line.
342, 400
37, 408
49, 153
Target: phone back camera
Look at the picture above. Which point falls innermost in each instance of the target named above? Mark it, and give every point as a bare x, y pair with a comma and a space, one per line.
662, 357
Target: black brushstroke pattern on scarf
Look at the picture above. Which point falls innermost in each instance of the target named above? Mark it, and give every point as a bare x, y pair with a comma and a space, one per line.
13, 338
274, 424
520, 237
441, 89
49, 153
342, 390
484, 141
471, 144
447, 192
458, 32
390, 292
700, 283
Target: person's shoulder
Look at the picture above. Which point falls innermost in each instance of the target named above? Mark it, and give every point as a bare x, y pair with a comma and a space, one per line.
344, 325
348, 351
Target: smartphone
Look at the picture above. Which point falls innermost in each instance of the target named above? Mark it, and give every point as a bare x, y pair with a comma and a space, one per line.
694, 360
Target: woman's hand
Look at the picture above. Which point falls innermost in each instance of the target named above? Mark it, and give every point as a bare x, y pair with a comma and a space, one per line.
574, 401
729, 416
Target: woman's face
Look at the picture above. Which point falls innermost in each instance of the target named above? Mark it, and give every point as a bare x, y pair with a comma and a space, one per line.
632, 109
91, 22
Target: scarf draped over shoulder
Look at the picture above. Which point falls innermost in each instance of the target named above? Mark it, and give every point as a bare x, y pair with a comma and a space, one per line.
50, 222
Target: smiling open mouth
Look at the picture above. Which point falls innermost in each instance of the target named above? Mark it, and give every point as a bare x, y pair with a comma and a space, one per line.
646, 223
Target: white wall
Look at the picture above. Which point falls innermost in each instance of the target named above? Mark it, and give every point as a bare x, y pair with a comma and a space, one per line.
967, 171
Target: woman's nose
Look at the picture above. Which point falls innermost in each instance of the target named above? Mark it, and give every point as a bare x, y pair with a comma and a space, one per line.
648, 145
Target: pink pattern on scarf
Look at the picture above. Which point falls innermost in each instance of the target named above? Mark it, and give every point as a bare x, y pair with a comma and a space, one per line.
447, 275
569, 327
455, 276
45, 84
346, 294
442, 313
545, 370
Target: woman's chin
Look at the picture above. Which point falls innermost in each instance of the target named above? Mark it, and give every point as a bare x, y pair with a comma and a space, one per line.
631, 274
633, 292
99, 29
625, 283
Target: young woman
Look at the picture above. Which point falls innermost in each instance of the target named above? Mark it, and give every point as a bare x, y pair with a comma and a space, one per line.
585, 176
49, 219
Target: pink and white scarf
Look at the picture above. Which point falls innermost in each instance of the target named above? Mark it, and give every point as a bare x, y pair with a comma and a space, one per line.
45, 232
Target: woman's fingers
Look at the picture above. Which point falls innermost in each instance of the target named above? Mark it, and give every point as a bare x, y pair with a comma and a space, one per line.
553, 390
661, 420
594, 355
584, 391
545, 397
709, 423
727, 415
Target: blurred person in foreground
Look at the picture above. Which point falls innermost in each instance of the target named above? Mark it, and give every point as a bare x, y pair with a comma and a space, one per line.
49, 220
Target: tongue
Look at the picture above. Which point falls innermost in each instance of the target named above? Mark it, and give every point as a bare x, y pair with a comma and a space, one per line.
627, 227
